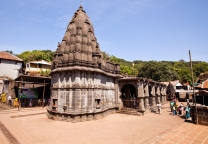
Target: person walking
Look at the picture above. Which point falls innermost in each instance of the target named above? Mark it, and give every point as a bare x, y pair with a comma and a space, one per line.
171, 106
187, 110
49, 102
39, 102
30, 104
187, 100
9, 98
174, 110
159, 108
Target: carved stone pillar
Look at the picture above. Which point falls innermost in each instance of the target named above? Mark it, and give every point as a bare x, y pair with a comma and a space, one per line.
90, 100
146, 95
77, 100
141, 104
164, 93
116, 92
158, 93
70, 99
141, 95
153, 95
161, 96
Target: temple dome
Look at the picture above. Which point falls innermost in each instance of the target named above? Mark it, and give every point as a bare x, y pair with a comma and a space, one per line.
79, 47
79, 30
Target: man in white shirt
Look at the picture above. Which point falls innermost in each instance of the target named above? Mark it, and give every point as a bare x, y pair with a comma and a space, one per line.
9, 98
159, 108
187, 100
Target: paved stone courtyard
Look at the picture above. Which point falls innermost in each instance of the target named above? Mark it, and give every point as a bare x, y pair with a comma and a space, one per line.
32, 126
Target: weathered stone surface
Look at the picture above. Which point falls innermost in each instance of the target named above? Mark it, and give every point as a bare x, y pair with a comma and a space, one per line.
81, 79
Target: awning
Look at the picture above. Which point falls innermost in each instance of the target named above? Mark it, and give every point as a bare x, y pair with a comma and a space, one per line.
33, 79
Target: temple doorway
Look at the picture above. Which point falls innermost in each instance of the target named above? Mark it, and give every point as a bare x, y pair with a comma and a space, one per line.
129, 96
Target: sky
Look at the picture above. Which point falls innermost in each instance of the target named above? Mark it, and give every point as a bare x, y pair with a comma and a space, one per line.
129, 29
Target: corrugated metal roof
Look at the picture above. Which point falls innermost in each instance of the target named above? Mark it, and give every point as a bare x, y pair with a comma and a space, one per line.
40, 62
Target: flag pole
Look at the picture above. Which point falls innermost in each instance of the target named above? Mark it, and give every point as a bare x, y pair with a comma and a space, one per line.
194, 96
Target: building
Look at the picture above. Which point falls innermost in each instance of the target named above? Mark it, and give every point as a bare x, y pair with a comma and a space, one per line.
37, 68
86, 87
178, 90
10, 65
83, 83
10, 68
203, 77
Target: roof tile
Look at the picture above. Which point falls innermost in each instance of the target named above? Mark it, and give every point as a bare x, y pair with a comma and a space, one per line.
5, 55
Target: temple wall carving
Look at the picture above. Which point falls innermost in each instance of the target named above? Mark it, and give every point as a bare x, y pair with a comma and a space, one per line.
84, 85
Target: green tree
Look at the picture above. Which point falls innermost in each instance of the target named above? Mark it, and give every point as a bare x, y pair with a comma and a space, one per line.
157, 71
46, 55
10, 52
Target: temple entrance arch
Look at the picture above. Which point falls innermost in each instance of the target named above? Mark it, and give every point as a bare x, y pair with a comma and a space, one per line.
128, 91
129, 96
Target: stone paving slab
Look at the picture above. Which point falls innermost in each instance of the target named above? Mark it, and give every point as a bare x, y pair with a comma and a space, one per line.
32, 126
3, 139
187, 133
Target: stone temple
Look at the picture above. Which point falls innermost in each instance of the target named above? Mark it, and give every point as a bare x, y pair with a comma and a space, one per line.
86, 87
82, 81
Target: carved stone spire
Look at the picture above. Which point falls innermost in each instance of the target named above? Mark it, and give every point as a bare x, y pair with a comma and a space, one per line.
79, 45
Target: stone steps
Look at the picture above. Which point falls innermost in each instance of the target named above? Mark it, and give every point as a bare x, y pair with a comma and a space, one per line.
154, 109
129, 111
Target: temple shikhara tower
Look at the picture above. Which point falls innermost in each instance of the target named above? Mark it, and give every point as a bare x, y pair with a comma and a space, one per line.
83, 84
86, 87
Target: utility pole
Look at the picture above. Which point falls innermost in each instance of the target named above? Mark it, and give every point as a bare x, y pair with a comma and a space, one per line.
194, 96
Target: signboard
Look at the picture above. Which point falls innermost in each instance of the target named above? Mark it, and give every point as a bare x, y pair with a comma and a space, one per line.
28, 93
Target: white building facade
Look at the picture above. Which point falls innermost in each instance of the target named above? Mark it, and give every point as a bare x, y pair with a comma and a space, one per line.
10, 65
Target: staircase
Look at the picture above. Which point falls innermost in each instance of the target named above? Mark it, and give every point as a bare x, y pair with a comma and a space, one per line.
129, 111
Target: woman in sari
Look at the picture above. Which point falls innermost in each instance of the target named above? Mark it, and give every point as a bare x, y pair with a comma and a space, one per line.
187, 110
16, 103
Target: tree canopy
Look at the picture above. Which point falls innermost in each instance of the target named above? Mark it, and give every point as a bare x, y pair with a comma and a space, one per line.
46, 55
156, 70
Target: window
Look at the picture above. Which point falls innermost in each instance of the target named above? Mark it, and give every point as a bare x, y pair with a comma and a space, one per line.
27, 65
40, 65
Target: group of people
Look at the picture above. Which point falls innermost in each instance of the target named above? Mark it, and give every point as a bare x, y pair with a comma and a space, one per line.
44, 102
179, 108
6, 98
